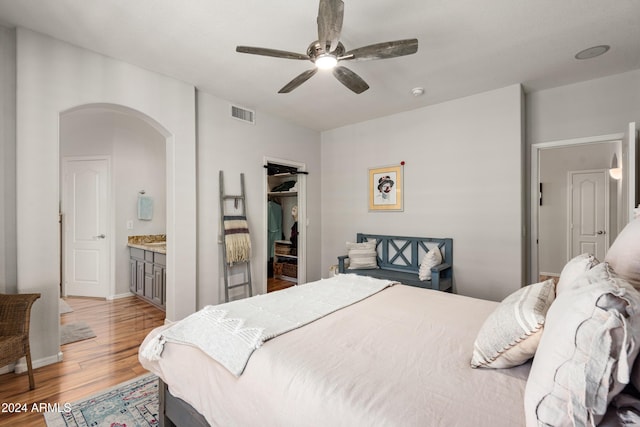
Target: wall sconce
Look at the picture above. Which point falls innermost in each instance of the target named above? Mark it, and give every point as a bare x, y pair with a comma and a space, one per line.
615, 171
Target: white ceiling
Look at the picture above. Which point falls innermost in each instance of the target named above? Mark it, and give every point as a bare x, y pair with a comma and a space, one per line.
465, 47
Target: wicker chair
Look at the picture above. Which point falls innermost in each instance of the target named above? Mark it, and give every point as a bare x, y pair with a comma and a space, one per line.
15, 314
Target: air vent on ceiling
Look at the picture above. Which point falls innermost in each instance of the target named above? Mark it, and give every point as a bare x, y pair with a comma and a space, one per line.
243, 114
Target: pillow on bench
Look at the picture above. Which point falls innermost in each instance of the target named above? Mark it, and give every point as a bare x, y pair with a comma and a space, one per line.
430, 259
362, 255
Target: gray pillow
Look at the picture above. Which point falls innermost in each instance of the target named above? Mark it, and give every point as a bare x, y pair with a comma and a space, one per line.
362, 255
590, 341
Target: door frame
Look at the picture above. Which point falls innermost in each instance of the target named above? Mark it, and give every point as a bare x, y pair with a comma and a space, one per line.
302, 218
110, 224
570, 206
535, 188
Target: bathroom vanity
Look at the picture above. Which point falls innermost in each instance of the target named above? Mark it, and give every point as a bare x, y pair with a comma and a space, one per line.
147, 266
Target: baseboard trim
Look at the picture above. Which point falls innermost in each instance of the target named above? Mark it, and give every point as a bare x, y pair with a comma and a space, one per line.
21, 366
118, 296
7, 369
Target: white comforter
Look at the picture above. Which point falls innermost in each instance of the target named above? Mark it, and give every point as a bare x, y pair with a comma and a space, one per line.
229, 333
398, 358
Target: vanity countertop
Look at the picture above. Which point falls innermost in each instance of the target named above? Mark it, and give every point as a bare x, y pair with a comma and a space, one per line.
150, 242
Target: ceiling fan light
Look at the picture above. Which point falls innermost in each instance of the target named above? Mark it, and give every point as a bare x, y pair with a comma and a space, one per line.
326, 61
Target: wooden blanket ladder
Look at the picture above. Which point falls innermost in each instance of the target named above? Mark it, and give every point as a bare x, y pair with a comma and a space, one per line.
236, 246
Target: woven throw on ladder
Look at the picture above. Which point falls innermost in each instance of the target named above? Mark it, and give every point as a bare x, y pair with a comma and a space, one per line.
236, 238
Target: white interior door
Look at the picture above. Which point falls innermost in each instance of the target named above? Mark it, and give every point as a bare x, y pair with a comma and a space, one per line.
85, 203
589, 213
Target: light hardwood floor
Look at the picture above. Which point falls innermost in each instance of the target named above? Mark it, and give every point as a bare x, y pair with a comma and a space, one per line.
278, 284
88, 366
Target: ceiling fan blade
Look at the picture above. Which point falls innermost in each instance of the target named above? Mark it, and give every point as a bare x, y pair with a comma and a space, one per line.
301, 78
270, 52
350, 79
383, 50
330, 15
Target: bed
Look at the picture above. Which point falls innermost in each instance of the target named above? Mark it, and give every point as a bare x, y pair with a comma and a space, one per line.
402, 356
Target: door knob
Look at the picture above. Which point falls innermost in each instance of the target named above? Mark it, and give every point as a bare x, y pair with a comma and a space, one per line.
102, 236
601, 232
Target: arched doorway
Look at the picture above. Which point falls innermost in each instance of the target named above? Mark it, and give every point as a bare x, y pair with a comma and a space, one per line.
124, 151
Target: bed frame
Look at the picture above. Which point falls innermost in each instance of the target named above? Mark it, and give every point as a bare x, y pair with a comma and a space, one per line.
175, 412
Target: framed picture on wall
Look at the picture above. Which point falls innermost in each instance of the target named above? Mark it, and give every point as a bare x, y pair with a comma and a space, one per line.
385, 189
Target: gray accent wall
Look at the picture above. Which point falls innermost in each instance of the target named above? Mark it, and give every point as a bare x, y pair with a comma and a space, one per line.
595, 107
54, 77
463, 179
237, 147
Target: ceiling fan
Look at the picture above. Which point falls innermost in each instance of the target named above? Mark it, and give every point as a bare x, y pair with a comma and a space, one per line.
327, 52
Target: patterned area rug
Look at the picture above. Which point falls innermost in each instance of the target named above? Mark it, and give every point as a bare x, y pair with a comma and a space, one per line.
130, 404
77, 331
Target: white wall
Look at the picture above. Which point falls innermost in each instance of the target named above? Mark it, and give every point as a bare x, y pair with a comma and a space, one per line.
8, 279
463, 179
138, 154
236, 147
595, 107
53, 77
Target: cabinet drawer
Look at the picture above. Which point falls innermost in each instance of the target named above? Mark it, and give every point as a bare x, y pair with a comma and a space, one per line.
148, 268
148, 256
160, 259
136, 253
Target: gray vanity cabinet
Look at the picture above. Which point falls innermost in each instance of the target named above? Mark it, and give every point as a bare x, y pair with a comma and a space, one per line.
136, 266
148, 275
159, 279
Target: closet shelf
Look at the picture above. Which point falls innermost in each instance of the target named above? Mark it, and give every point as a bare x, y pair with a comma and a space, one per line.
282, 193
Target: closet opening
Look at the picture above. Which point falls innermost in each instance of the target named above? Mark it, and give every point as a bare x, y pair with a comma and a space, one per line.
285, 237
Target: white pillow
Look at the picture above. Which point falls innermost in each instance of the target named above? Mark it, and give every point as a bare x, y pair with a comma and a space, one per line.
589, 344
430, 259
575, 268
362, 255
624, 253
510, 335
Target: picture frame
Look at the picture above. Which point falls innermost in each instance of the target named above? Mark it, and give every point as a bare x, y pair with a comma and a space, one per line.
385, 189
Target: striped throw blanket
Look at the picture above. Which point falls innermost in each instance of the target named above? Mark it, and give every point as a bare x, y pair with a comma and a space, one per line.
236, 237
229, 333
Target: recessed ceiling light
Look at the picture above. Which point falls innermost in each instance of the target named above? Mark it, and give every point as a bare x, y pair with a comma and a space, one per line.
592, 52
417, 91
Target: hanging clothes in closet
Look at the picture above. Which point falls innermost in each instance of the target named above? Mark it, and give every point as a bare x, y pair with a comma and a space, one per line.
274, 226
